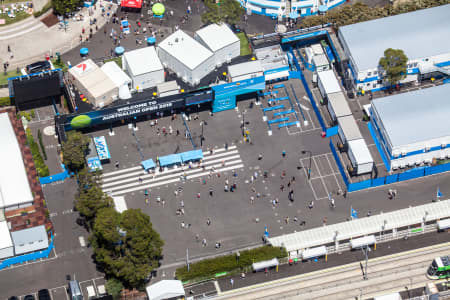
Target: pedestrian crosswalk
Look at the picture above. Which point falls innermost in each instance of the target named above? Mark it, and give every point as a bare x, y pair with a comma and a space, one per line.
135, 179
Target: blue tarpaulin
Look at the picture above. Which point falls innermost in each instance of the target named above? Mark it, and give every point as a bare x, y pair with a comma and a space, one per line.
169, 160
191, 155
148, 164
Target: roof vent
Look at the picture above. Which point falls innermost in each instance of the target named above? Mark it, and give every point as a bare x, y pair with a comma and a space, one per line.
176, 40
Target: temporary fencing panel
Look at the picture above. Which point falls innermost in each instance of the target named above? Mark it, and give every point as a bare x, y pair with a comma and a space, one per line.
378, 181
411, 174
332, 131
56, 177
338, 162
308, 91
357, 186
391, 178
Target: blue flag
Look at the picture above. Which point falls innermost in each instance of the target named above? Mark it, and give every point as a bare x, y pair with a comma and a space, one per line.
353, 213
438, 193
266, 231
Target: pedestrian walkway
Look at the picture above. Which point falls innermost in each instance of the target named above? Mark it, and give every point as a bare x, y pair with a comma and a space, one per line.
26, 38
135, 179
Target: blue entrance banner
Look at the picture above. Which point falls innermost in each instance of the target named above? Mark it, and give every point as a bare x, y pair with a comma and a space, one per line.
303, 36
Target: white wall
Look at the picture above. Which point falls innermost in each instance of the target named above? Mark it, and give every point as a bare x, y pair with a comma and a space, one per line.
203, 69
148, 80
228, 52
6, 252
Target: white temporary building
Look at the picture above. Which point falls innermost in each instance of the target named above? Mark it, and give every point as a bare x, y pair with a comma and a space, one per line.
328, 83
220, 40
189, 59
338, 106
119, 204
93, 83
144, 67
413, 127
443, 224
29, 240
168, 88
321, 62
360, 156
393, 296
6, 243
245, 70
15, 191
116, 74
165, 289
348, 129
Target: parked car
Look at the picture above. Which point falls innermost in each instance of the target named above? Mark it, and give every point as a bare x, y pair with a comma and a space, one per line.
29, 297
38, 67
44, 294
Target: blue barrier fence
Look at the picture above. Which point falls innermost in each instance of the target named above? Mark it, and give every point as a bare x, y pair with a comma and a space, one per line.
338, 162
27, 257
332, 131
56, 177
308, 91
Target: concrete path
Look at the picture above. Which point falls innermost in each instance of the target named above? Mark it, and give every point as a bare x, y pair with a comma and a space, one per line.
30, 39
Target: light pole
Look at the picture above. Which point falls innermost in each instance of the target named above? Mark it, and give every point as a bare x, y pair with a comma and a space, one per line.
202, 137
310, 159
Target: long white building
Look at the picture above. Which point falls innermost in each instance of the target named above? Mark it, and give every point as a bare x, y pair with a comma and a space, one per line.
413, 128
422, 35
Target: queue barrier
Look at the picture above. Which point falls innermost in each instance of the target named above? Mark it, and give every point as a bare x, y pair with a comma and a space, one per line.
281, 113
278, 120
273, 108
278, 86
289, 124
278, 99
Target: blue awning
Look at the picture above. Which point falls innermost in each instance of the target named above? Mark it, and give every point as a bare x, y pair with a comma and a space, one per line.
148, 164
192, 155
169, 160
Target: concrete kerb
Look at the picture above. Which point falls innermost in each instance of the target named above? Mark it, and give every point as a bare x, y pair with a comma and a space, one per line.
347, 267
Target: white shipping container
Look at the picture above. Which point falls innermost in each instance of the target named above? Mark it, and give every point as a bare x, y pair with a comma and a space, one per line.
360, 156
328, 83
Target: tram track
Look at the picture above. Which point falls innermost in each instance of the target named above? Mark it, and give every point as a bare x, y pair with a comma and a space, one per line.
385, 273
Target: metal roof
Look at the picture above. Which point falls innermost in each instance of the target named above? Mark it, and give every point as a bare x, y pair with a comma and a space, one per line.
5, 237
14, 185
165, 289
364, 226
329, 81
245, 68
349, 128
216, 36
360, 151
29, 240
116, 74
339, 104
320, 60
185, 49
142, 61
415, 116
419, 34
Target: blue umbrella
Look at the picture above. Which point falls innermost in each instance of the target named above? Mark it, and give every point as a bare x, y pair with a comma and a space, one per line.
151, 40
323, 8
119, 50
293, 15
84, 51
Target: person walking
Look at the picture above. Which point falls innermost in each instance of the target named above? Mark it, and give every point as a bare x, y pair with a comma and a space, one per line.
232, 282
117, 164
260, 156
208, 222
311, 205
211, 192
204, 242
332, 203
282, 187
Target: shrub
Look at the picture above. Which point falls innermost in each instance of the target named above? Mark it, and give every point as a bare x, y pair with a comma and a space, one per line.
114, 287
42, 144
24, 114
43, 10
209, 267
5, 101
41, 168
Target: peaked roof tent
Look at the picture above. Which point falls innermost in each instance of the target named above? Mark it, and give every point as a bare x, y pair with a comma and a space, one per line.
165, 289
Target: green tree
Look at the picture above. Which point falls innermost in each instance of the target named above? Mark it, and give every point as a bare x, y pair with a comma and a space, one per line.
394, 63
126, 245
114, 287
227, 11
66, 6
89, 201
74, 150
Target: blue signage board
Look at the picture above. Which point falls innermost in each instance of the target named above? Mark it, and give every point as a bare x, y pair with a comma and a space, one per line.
303, 36
239, 87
